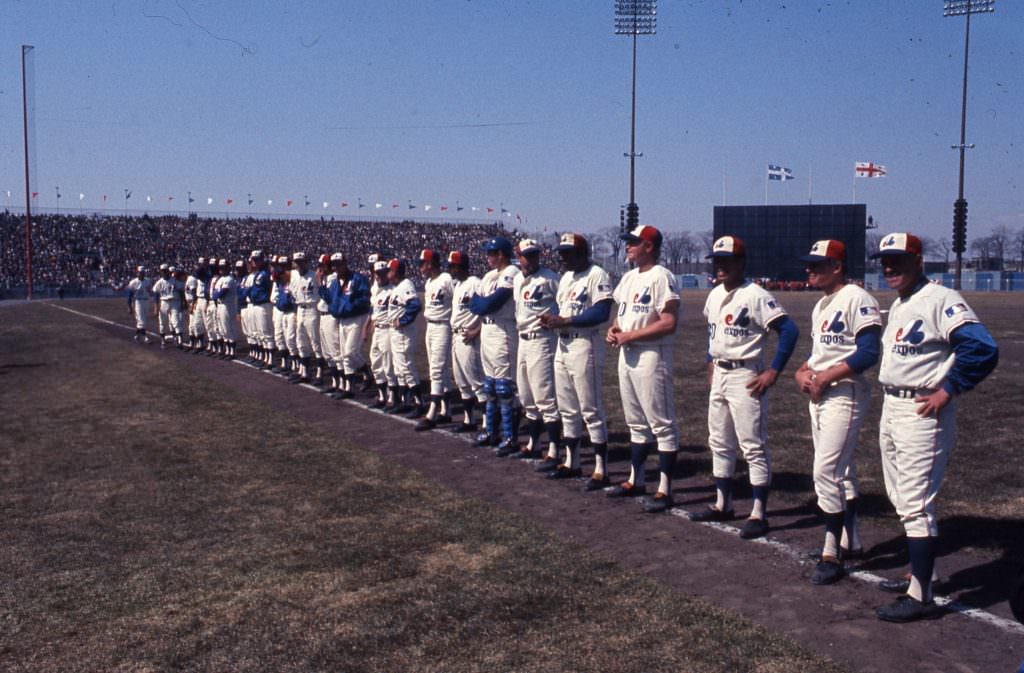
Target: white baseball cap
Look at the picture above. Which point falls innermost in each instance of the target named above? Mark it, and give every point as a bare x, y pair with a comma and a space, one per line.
527, 245
299, 257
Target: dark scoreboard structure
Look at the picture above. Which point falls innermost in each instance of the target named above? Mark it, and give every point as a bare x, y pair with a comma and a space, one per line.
777, 236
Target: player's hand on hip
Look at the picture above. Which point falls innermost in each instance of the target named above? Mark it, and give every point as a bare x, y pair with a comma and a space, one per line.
803, 380
614, 336
931, 405
762, 382
553, 321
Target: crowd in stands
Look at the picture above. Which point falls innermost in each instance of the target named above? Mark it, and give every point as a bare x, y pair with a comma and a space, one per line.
88, 252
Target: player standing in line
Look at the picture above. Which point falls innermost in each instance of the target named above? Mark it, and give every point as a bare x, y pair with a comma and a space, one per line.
350, 303
307, 321
284, 315
213, 341
262, 310
163, 289
196, 304
244, 271
225, 297
140, 290
845, 330
740, 314
437, 311
933, 349
405, 307
644, 332
535, 291
466, 366
328, 323
584, 304
498, 343
178, 307
379, 326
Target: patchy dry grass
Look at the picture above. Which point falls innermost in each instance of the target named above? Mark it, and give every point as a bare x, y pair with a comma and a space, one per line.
156, 521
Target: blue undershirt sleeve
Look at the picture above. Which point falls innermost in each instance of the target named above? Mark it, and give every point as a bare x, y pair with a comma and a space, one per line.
868, 348
975, 356
491, 303
595, 315
788, 334
412, 309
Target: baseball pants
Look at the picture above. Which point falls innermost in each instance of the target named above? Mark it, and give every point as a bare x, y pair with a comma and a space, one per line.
914, 455
165, 323
307, 331
289, 327
279, 340
380, 357
177, 318
141, 310
439, 348
535, 375
645, 383
738, 422
403, 345
226, 323
197, 319
263, 324
498, 345
210, 318
350, 344
245, 320
330, 338
579, 369
468, 371
835, 426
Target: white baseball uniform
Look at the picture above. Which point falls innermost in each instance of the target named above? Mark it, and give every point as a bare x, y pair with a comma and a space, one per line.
836, 321
166, 290
466, 365
535, 295
437, 311
579, 355
403, 337
307, 319
738, 329
142, 293
245, 312
498, 339
350, 333
380, 343
196, 305
330, 334
916, 356
645, 367
227, 306
210, 318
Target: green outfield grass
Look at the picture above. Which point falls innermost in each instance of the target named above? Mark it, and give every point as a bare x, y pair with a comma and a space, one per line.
156, 520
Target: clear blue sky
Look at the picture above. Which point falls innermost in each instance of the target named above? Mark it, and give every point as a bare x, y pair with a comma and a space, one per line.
525, 103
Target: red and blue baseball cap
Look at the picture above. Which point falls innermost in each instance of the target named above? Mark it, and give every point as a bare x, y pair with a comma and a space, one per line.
430, 257
527, 246
458, 258
824, 250
571, 241
642, 232
898, 244
728, 246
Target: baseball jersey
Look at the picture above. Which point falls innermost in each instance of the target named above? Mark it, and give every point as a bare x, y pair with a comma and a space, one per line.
462, 293
578, 291
164, 289
437, 298
380, 298
243, 289
836, 321
141, 289
535, 295
641, 295
304, 288
228, 288
738, 321
495, 279
401, 294
193, 289
916, 352
321, 304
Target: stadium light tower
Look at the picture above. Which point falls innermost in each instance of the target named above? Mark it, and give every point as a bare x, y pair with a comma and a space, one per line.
963, 8
634, 17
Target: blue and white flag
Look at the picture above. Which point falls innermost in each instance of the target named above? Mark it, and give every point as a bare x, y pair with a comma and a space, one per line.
779, 173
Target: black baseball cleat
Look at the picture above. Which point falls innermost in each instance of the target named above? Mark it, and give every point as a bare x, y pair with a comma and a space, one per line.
626, 490
846, 554
712, 514
464, 427
563, 472
828, 571
547, 465
482, 439
506, 448
659, 502
754, 528
526, 454
907, 609
416, 412
425, 424
346, 394
444, 419
596, 484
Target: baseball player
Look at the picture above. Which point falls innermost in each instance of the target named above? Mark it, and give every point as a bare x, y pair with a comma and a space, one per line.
934, 348
498, 344
196, 306
328, 324
225, 298
845, 331
304, 289
379, 326
535, 291
466, 366
140, 291
350, 304
740, 315
215, 342
262, 310
644, 331
437, 311
584, 304
244, 275
403, 308
284, 315
166, 293
178, 307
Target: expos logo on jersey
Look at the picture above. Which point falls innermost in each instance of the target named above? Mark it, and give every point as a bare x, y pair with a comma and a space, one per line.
909, 339
642, 301
437, 298
579, 298
736, 324
831, 331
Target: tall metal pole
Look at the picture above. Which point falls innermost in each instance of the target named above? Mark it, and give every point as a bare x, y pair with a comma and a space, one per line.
633, 18
632, 135
957, 284
28, 188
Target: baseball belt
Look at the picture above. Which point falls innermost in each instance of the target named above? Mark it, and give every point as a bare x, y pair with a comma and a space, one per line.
729, 364
907, 393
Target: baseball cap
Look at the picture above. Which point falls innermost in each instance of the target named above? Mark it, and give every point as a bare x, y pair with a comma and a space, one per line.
571, 241
379, 266
428, 255
728, 246
643, 232
898, 244
323, 260
140, 269
337, 257
239, 264
498, 244
164, 267
373, 258
527, 246
457, 258
827, 249
298, 257
201, 260
256, 254
397, 265
172, 269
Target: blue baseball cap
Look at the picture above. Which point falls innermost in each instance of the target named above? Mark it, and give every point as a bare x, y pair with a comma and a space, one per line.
499, 244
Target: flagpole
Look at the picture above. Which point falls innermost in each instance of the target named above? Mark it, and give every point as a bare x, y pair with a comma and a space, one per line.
766, 186
25, 48
855, 187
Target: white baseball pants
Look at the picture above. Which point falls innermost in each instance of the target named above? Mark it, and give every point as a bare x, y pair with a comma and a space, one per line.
210, 318
467, 368
307, 331
350, 344
579, 372
535, 376
330, 338
263, 324
645, 383
498, 345
380, 357
226, 323
141, 310
197, 319
403, 349
835, 426
738, 422
439, 363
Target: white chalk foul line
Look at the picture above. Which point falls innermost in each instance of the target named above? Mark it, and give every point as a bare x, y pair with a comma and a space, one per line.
1006, 625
